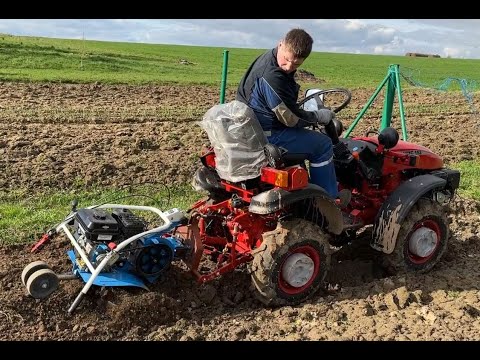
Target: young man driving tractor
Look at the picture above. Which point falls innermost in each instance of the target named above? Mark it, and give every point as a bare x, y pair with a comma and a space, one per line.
270, 90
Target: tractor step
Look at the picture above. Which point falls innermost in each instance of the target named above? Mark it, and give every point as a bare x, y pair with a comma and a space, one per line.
350, 221
343, 199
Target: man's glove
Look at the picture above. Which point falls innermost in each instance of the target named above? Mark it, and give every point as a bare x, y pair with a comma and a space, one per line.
324, 116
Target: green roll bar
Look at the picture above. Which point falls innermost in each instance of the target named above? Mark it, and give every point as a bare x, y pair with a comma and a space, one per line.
392, 81
224, 77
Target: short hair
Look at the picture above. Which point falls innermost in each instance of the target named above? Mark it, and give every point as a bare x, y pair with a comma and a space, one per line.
299, 42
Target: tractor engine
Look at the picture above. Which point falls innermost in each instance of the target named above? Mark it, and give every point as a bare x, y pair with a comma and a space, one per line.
385, 168
381, 164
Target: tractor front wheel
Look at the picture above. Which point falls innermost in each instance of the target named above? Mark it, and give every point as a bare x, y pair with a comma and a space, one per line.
421, 241
291, 263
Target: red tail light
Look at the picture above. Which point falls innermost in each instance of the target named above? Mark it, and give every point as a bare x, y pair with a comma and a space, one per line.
291, 178
275, 177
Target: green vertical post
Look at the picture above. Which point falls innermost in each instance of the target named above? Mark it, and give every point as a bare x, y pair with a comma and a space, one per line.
224, 76
400, 105
389, 97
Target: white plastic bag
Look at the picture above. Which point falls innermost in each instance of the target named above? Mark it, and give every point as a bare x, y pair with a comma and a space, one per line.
237, 139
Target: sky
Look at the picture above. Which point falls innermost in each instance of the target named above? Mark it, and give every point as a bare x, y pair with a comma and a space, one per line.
456, 38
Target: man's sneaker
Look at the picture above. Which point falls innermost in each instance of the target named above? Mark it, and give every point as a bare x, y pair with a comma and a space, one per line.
343, 198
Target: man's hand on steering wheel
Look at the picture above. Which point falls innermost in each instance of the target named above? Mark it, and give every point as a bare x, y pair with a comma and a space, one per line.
324, 116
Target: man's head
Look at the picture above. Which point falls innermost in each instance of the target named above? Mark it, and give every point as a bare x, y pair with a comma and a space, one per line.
293, 49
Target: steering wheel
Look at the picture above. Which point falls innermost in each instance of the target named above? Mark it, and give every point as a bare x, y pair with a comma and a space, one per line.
347, 95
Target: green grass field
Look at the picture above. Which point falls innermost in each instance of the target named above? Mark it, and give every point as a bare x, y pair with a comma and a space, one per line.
32, 59
73, 61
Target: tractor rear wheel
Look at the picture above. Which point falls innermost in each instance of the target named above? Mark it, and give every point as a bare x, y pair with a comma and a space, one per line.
291, 264
421, 241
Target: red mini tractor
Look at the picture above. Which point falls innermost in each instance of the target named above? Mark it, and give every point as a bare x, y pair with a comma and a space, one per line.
285, 226
268, 214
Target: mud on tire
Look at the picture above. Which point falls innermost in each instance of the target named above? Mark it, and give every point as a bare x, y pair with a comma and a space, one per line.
304, 241
425, 214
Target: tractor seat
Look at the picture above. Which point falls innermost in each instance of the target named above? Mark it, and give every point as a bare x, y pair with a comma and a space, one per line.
206, 178
291, 159
279, 157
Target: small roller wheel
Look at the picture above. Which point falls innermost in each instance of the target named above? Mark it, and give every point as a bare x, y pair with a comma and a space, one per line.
42, 283
31, 268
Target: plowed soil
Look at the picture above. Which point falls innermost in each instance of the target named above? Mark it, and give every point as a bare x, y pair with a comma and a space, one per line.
68, 135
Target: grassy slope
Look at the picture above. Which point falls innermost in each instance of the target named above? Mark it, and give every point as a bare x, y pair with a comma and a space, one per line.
45, 59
